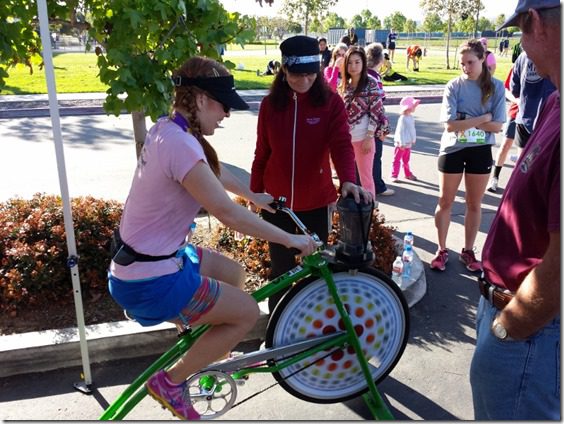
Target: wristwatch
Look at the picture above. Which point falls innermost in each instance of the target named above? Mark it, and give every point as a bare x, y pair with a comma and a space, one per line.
499, 330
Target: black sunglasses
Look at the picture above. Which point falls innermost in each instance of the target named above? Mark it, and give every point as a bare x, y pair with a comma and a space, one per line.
226, 108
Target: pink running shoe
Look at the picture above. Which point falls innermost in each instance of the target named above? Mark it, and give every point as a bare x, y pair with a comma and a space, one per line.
468, 258
411, 177
439, 261
172, 397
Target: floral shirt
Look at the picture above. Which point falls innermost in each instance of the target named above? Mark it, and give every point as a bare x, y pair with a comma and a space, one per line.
369, 103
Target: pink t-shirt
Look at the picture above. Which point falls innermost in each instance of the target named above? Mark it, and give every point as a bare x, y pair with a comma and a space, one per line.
159, 211
530, 207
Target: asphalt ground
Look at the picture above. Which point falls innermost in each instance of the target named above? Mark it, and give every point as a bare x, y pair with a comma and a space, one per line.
431, 380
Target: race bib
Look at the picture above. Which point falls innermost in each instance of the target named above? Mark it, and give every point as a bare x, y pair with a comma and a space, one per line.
472, 135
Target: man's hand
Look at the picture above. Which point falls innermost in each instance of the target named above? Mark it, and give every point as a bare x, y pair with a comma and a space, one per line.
357, 192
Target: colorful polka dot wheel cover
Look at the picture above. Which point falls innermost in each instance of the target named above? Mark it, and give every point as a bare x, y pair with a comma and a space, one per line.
377, 317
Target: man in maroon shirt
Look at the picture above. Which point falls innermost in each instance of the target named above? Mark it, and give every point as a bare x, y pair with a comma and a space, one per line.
515, 369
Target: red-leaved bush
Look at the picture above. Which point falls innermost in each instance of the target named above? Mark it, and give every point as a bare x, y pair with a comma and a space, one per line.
33, 249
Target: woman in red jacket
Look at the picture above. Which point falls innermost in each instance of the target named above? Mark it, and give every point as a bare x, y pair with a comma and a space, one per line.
301, 123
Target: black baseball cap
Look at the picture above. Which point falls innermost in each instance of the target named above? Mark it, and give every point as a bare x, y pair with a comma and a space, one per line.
221, 89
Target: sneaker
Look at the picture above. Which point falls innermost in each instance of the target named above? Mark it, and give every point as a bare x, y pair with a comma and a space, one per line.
411, 177
492, 188
173, 397
387, 192
439, 262
395, 179
468, 258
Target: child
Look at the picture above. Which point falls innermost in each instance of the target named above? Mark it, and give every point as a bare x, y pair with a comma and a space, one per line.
404, 138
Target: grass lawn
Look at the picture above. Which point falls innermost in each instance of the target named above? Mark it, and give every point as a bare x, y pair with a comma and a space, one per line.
77, 72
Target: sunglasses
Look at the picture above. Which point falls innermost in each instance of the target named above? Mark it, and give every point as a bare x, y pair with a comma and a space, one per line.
226, 108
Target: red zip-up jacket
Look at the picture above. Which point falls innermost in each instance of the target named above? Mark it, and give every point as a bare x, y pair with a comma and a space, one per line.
293, 148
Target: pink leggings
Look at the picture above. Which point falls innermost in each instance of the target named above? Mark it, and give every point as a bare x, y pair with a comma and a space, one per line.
401, 155
364, 163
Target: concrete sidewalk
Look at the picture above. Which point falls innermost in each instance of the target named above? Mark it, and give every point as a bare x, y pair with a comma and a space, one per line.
73, 104
429, 382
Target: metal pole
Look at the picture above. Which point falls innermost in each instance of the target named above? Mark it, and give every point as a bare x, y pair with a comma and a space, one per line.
67, 213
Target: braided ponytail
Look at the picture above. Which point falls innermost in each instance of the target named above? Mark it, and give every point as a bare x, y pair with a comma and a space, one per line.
185, 101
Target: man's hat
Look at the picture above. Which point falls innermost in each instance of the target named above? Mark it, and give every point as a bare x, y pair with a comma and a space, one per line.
300, 54
523, 6
221, 89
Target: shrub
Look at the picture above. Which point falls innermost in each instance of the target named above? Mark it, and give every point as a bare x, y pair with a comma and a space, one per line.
33, 249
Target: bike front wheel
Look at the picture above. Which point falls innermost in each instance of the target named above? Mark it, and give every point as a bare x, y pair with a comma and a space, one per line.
379, 314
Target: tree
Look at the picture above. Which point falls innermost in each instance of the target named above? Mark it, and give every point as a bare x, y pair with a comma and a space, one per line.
451, 10
433, 23
410, 26
140, 43
499, 20
306, 11
357, 22
396, 20
332, 20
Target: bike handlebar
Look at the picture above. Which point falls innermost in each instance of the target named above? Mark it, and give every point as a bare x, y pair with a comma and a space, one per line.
279, 204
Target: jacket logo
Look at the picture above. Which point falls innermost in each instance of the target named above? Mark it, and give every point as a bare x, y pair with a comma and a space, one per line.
529, 159
313, 121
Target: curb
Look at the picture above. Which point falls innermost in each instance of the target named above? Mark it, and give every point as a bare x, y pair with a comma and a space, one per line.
49, 350
55, 349
40, 108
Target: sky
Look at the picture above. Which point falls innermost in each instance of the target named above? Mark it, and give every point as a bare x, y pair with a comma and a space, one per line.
381, 8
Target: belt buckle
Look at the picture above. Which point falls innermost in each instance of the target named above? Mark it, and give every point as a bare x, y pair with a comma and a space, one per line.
489, 288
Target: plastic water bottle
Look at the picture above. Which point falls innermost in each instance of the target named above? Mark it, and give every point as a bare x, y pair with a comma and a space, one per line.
408, 239
407, 258
397, 271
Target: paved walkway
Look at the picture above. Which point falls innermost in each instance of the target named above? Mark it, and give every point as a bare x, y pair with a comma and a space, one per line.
430, 381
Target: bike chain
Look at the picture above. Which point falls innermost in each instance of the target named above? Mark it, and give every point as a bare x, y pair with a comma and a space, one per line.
284, 378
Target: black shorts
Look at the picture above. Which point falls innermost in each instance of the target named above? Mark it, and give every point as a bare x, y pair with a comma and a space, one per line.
521, 136
392, 45
472, 160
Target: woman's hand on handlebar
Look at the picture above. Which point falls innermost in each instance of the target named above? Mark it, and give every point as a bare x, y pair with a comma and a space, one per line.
304, 243
261, 201
356, 191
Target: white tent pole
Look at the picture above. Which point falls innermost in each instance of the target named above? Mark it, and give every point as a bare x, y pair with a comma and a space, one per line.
67, 213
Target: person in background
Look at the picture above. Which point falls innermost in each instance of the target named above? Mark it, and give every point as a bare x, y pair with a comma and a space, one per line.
272, 68
346, 40
155, 274
509, 133
404, 138
490, 56
414, 54
324, 52
374, 58
334, 71
532, 90
501, 47
473, 110
391, 44
388, 73
353, 37
505, 46
515, 373
364, 106
301, 124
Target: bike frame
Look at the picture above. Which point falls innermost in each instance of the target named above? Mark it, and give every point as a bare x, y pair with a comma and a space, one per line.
313, 265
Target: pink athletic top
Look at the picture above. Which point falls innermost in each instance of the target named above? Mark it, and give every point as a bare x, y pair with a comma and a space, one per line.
159, 211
